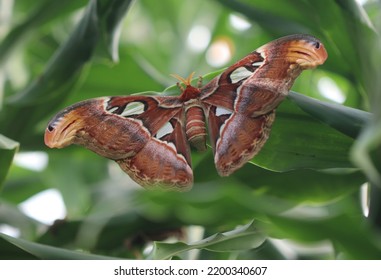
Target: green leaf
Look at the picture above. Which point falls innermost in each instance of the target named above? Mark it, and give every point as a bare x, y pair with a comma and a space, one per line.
298, 140
12, 216
354, 123
21, 184
47, 11
8, 148
348, 233
9, 251
64, 67
290, 186
243, 238
268, 20
347, 120
342, 30
366, 152
14, 248
111, 15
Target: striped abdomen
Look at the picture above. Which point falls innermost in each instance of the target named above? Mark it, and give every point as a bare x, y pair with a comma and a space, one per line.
195, 127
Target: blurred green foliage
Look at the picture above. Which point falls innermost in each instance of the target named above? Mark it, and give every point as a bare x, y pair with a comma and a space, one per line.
301, 191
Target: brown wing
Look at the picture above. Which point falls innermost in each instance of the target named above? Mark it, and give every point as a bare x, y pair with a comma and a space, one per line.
143, 134
240, 103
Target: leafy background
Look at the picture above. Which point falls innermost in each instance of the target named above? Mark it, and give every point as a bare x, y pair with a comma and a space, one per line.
300, 197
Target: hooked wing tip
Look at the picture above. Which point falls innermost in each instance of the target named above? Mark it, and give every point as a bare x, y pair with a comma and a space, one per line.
60, 131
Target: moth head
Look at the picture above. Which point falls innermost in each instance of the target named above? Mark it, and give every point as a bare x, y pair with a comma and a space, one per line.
189, 92
300, 50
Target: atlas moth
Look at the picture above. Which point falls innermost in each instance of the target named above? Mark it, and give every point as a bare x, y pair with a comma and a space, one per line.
150, 136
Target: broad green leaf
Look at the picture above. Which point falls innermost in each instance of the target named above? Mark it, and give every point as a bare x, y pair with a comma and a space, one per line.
298, 140
98, 82
286, 17
265, 16
243, 238
111, 14
349, 234
366, 152
15, 248
64, 67
303, 186
347, 120
296, 186
21, 184
11, 252
8, 148
46, 11
12, 216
